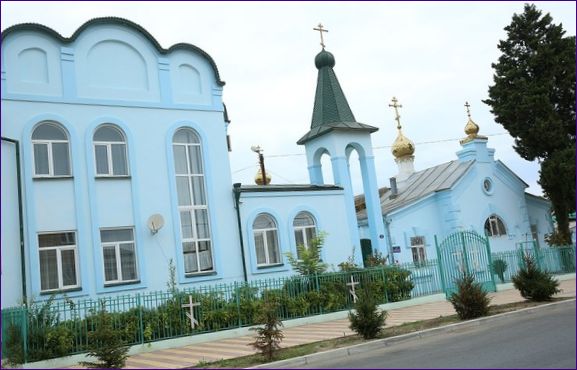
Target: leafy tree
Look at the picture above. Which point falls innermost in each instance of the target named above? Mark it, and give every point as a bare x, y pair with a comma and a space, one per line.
533, 97
309, 261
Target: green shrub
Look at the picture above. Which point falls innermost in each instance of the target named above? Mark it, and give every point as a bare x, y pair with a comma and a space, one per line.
500, 266
367, 320
308, 260
533, 283
14, 355
269, 336
105, 343
470, 300
376, 259
398, 284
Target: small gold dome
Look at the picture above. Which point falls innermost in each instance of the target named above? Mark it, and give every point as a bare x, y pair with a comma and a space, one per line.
402, 146
258, 178
471, 128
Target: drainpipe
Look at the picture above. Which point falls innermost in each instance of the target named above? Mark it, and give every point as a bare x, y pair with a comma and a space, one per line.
388, 231
20, 216
236, 190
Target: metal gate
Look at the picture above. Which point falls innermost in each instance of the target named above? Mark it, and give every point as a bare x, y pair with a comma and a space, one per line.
465, 252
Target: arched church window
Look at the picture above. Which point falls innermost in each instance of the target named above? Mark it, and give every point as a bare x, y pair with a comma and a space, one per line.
51, 152
266, 243
110, 152
494, 226
305, 230
192, 203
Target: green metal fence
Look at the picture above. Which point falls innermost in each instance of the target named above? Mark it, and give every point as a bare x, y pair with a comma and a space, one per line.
59, 327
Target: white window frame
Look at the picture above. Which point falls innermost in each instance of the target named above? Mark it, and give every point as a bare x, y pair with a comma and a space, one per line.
194, 239
59, 249
418, 246
263, 233
116, 246
493, 221
302, 230
49, 144
110, 162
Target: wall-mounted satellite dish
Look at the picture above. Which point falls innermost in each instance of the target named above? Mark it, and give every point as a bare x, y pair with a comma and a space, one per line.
155, 223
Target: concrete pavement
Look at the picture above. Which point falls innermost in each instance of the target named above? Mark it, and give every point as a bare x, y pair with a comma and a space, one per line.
190, 355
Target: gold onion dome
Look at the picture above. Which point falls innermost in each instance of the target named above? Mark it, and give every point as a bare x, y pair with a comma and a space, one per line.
258, 178
402, 146
471, 128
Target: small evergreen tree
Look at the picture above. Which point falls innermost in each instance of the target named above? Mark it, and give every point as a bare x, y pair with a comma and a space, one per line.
105, 343
470, 300
500, 266
308, 260
367, 320
533, 283
269, 335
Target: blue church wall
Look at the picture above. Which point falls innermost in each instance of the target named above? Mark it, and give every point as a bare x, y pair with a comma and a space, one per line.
539, 211
142, 95
328, 209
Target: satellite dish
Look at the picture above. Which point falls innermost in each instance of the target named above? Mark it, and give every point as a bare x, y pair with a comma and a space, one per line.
155, 223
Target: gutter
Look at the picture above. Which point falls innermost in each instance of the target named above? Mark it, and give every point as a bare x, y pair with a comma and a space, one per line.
20, 215
236, 190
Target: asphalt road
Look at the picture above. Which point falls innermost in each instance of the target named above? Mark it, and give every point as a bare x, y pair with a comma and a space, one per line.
544, 338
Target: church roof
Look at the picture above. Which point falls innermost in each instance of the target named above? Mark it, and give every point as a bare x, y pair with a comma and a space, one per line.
419, 185
113, 21
331, 110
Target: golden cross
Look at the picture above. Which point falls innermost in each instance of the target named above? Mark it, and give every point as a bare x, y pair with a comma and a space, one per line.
321, 30
396, 106
468, 111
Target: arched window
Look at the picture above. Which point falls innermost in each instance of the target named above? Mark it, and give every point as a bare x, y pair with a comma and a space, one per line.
305, 229
51, 153
192, 204
494, 226
110, 152
266, 240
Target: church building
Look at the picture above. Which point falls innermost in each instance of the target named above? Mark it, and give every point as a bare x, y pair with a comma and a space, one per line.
115, 165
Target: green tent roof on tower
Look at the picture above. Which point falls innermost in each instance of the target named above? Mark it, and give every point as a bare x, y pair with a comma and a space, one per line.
331, 110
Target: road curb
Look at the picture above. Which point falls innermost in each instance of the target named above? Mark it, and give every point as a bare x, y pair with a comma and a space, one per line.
387, 342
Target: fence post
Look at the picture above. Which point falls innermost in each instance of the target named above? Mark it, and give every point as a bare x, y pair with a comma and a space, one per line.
318, 288
237, 294
24, 326
465, 255
440, 264
386, 296
140, 318
490, 260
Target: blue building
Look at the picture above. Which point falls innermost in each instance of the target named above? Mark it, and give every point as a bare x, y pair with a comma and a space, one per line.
115, 162
473, 192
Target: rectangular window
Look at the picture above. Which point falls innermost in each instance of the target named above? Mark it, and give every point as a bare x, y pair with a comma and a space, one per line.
58, 261
119, 256
418, 249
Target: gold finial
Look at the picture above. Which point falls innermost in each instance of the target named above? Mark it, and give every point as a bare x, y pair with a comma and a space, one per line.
396, 106
321, 30
402, 147
471, 128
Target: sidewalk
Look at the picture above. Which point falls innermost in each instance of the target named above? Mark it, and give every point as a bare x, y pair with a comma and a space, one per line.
190, 355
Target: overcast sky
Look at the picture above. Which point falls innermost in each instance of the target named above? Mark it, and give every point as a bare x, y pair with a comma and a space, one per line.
433, 56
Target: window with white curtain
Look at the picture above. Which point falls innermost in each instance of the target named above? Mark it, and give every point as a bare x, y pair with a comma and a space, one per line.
305, 230
494, 226
265, 234
58, 261
51, 151
192, 202
418, 249
110, 157
119, 255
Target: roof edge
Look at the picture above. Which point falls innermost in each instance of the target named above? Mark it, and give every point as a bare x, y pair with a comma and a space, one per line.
37, 27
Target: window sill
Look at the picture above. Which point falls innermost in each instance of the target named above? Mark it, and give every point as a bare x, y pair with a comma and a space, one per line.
196, 274
263, 267
49, 178
120, 283
123, 177
60, 291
